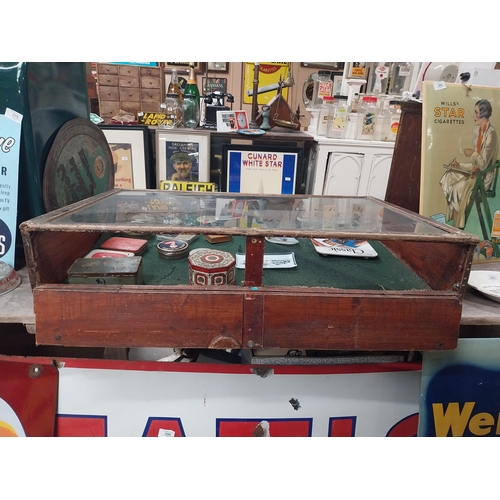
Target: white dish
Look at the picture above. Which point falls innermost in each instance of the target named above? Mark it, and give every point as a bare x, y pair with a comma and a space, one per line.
486, 282
282, 240
271, 260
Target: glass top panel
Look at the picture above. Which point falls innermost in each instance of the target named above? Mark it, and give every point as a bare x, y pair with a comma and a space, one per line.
167, 211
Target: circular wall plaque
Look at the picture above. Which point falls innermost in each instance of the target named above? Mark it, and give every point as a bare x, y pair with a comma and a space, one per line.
79, 165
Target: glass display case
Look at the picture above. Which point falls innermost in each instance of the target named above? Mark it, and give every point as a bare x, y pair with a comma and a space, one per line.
302, 280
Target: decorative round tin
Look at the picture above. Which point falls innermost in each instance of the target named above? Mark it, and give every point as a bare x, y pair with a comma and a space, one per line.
172, 249
211, 267
9, 279
79, 165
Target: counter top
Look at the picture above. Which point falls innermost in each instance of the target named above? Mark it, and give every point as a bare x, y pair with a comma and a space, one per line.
16, 306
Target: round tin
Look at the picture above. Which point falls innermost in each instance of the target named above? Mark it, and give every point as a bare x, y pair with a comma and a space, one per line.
172, 249
211, 267
9, 279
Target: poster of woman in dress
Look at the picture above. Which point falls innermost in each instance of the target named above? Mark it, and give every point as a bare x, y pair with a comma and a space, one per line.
459, 160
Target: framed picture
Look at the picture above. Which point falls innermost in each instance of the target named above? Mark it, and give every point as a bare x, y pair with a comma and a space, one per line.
337, 84
262, 169
218, 67
333, 66
182, 155
211, 84
129, 146
183, 67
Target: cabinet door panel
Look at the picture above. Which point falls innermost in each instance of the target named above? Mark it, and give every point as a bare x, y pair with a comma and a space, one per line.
380, 168
343, 173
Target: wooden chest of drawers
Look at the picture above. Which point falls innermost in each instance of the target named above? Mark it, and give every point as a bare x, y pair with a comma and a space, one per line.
128, 88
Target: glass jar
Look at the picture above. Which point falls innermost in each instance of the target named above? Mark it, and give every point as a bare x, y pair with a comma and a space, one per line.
368, 112
191, 111
323, 87
393, 122
173, 111
337, 119
324, 113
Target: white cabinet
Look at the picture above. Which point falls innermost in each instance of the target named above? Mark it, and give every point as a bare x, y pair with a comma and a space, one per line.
351, 167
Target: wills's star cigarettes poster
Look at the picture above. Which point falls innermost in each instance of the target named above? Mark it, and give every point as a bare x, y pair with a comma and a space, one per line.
460, 166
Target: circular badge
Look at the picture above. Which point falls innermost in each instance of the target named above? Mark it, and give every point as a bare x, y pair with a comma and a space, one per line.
79, 165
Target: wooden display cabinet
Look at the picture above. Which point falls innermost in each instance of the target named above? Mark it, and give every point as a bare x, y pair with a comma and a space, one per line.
408, 298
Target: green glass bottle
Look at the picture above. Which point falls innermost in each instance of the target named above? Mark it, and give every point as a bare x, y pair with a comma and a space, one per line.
192, 86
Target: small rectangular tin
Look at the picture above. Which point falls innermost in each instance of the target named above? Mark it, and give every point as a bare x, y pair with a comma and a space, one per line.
135, 245
107, 271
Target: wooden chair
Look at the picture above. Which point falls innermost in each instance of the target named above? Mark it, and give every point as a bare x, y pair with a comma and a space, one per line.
479, 197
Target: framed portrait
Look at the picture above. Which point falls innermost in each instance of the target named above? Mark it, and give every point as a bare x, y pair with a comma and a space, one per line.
218, 67
262, 169
129, 146
183, 67
182, 155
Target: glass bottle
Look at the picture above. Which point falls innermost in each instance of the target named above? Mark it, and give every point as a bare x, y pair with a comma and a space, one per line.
323, 87
173, 111
174, 87
337, 120
191, 111
393, 121
324, 113
192, 86
368, 111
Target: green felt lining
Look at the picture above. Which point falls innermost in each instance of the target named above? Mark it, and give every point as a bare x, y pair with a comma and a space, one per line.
384, 272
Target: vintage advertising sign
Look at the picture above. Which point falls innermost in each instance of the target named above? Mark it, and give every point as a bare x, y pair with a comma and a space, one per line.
214, 85
261, 172
10, 138
187, 186
270, 74
151, 118
461, 390
28, 395
165, 399
459, 175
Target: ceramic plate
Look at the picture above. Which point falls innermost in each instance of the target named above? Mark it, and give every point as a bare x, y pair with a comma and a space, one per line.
251, 131
486, 282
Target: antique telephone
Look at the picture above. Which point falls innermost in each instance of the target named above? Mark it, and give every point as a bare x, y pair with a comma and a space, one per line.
211, 103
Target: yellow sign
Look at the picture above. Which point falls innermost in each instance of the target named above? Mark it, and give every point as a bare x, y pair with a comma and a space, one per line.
187, 186
269, 75
147, 118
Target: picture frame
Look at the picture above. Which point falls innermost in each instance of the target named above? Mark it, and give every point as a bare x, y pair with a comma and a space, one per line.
212, 84
218, 67
183, 67
129, 146
256, 169
337, 84
333, 66
193, 143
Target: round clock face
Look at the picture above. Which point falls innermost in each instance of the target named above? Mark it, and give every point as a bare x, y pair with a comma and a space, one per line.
242, 121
